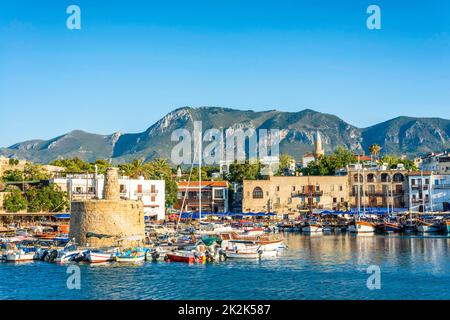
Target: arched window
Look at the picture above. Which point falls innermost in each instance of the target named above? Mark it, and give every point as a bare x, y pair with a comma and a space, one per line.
258, 193
398, 177
355, 178
385, 177
371, 178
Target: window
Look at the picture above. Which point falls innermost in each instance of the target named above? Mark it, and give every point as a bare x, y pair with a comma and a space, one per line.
218, 193
152, 188
342, 199
278, 200
123, 188
293, 188
289, 200
340, 188
153, 199
258, 193
334, 200
278, 188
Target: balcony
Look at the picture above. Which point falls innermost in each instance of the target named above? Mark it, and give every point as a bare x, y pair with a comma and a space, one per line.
306, 194
417, 187
441, 186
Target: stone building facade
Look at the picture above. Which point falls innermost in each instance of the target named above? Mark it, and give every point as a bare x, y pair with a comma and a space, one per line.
288, 196
378, 187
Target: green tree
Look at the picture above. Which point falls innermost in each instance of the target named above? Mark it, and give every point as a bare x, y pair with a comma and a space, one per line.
374, 150
34, 172
327, 165
13, 162
244, 171
285, 162
394, 161
75, 165
15, 201
47, 199
12, 176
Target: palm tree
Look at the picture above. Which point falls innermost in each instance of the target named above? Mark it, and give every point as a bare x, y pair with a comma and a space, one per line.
374, 150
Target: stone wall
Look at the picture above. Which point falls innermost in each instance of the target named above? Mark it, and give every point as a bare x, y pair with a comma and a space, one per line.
118, 219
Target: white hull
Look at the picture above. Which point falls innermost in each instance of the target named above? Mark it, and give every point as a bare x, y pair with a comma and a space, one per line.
135, 259
17, 257
94, 257
361, 228
312, 229
242, 255
269, 254
428, 229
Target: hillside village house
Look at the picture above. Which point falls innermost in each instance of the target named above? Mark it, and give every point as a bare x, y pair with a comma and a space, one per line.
150, 192
214, 196
290, 195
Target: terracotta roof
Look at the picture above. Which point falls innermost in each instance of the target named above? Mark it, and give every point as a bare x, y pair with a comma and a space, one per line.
194, 184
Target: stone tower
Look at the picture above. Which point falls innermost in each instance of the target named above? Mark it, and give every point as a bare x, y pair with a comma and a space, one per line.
318, 146
99, 223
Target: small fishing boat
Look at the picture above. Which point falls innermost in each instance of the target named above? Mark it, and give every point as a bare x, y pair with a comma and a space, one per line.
69, 253
132, 255
99, 256
19, 256
186, 257
361, 227
445, 226
244, 253
312, 227
428, 227
410, 225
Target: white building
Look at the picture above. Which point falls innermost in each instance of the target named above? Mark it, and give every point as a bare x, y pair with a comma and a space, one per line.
437, 162
150, 192
429, 191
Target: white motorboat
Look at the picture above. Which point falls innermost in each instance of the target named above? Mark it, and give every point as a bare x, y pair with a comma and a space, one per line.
426, 227
19, 255
99, 256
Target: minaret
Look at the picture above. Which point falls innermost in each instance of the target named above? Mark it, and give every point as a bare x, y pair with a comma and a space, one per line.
318, 144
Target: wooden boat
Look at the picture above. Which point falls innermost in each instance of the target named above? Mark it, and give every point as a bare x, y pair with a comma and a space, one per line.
388, 227
99, 256
428, 227
312, 227
361, 227
132, 255
185, 256
410, 225
445, 226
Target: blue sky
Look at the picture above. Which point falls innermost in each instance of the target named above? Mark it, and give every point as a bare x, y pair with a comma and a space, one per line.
134, 61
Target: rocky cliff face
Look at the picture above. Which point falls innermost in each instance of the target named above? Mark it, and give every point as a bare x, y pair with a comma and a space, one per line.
401, 135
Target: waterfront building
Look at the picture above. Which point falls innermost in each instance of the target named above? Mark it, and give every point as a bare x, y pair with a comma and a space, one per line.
436, 162
379, 187
429, 191
290, 195
214, 196
150, 192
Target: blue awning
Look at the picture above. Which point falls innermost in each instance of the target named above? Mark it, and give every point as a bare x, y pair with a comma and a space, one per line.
62, 216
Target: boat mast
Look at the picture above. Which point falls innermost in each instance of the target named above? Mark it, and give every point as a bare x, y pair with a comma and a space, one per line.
422, 190
200, 176
359, 188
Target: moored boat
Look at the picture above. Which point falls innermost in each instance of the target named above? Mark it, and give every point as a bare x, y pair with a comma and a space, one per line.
445, 226
19, 256
133, 255
312, 227
428, 227
361, 227
185, 256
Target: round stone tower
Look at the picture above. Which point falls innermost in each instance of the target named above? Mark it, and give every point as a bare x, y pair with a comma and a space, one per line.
102, 222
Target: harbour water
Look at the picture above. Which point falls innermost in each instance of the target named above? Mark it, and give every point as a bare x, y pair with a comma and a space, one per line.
314, 267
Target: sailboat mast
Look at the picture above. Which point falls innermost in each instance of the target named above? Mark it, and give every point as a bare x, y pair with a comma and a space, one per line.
359, 187
200, 175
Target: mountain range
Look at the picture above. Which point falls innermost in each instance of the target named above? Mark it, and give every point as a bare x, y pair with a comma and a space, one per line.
402, 135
